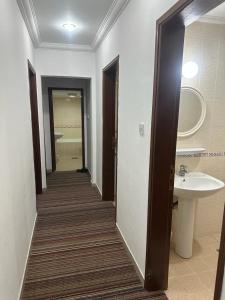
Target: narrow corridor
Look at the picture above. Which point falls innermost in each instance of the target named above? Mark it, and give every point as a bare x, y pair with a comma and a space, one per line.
77, 252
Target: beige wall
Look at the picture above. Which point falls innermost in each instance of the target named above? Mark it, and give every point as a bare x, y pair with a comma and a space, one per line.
67, 120
205, 44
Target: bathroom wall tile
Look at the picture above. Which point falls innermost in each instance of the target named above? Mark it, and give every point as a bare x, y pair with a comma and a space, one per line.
205, 43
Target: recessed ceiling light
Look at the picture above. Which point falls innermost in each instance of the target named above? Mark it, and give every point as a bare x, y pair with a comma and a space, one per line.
190, 69
69, 26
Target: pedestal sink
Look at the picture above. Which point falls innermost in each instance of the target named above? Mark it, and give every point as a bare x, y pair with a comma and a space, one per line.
189, 189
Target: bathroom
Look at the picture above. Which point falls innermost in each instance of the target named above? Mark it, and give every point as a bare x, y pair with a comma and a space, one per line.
67, 112
197, 217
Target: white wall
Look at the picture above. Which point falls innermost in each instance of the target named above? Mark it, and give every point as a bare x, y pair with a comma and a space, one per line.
62, 82
66, 63
17, 185
133, 38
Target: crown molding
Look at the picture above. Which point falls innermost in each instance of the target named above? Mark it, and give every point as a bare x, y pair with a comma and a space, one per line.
61, 46
212, 20
28, 12
110, 19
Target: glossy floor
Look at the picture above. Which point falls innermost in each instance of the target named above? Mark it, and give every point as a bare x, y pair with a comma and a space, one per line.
194, 279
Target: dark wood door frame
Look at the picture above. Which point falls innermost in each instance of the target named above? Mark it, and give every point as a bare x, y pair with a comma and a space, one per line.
170, 30
109, 143
51, 114
35, 128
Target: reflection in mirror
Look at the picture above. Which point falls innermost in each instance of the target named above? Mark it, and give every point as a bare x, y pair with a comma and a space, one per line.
192, 111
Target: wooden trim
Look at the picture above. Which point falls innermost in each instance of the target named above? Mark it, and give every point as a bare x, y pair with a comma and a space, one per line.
35, 128
170, 29
51, 112
83, 130
110, 74
51, 117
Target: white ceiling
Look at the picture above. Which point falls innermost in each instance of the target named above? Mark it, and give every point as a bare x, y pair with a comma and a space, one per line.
216, 15
93, 18
219, 11
86, 14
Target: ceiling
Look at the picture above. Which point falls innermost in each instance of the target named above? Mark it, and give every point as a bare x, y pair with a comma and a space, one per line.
216, 15
93, 20
86, 14
218, 12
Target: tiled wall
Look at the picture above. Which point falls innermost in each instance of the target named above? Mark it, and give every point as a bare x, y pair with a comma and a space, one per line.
205, 44
67, 120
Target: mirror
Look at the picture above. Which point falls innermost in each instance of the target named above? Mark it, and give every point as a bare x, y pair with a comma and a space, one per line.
192, 111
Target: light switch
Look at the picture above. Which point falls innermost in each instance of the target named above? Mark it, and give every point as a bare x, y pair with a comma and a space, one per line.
142, 129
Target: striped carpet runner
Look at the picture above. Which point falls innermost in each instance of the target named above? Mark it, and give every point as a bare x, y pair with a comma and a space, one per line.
77, 252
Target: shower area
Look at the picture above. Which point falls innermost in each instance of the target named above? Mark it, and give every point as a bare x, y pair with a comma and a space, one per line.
67, 117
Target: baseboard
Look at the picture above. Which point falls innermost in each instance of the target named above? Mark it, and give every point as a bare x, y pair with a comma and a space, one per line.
97, 187
137, 268
25, 268
89, 172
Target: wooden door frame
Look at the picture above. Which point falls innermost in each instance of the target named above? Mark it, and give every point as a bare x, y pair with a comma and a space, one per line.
35, 128
108, 158
51, 114
170, 29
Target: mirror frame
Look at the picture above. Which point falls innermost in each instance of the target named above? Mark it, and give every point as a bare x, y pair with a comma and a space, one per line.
202, 117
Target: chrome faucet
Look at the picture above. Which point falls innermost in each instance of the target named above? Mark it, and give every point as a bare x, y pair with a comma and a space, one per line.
183, 170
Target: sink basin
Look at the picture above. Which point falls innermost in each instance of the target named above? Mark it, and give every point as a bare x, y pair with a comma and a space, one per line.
196, 185
58, 135
188, 190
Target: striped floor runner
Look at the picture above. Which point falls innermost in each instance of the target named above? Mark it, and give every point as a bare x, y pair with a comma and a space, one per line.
77, 252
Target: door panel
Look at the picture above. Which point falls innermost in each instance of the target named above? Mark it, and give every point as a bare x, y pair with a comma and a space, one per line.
35, 129
109, 169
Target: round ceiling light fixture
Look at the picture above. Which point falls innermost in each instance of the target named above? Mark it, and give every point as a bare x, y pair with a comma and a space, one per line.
190, 69
69, 27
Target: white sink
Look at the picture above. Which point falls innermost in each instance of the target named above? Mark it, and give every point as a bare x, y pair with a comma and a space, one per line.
196, 185
189, 189
58, 135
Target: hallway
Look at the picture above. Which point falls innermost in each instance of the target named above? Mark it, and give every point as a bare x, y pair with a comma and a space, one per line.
77, 252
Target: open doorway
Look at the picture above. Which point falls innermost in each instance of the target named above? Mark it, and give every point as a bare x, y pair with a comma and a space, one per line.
66, 107
35, 128
110, 131
171, 29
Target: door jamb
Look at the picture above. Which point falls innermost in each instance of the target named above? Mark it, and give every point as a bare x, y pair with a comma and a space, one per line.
105, 158
160, 198
35, 127
51, 113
